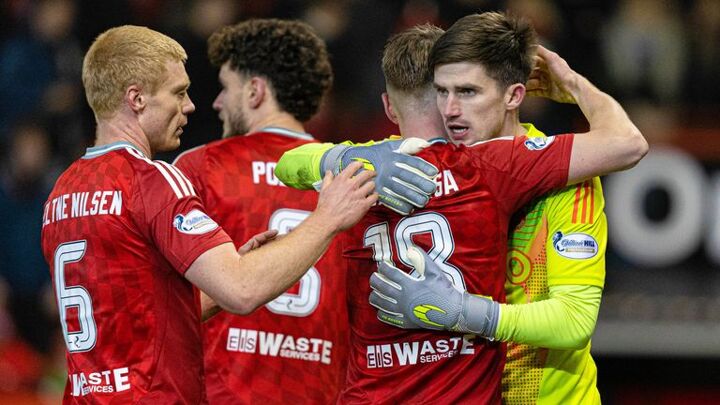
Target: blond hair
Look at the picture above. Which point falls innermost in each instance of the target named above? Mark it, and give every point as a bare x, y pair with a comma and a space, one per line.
123, 56
405, 58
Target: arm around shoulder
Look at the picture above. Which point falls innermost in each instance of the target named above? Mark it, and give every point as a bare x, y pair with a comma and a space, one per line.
240, 284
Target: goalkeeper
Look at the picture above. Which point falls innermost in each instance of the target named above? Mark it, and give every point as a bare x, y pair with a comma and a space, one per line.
562, 271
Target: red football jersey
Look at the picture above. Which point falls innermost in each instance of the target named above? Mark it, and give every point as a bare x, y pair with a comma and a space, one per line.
294, 349
464, 230
119, 231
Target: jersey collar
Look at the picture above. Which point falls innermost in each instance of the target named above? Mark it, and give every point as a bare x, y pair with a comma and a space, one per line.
533, 132
286, 132
96, 151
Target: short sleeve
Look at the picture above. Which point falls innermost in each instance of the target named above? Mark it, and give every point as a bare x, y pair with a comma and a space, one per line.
173, 217
519, 169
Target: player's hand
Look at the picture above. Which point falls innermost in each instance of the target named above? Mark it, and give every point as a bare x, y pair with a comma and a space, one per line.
430, 301
258, 240
551, 77
345, 198
403, 183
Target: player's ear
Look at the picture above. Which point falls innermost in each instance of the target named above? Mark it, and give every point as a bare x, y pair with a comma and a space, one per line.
135, 98
389, 110
258, 90
514, 96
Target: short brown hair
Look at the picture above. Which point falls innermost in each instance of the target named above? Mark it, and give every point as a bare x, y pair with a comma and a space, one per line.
405, 57
288, 53
503, 44
122, 56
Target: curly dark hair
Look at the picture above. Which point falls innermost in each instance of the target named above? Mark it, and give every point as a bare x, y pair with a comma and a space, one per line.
287, 53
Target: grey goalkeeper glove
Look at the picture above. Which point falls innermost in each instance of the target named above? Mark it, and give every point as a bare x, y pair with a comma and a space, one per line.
403, 182
431, 301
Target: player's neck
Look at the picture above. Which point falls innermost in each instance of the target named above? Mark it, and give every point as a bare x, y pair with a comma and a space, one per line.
421, 126
119, 130
512, 126
277, 120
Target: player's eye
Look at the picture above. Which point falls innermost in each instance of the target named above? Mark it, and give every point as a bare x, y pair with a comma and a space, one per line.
442, 92
466, 92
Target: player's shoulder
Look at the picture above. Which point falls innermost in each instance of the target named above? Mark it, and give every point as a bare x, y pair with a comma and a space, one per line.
446, 152
258, 142
577, 203
191, 155
588, 188
278, 138
157, 176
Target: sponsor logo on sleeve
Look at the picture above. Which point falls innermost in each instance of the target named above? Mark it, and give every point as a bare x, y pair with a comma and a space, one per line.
194, 222
539, 143
575, 245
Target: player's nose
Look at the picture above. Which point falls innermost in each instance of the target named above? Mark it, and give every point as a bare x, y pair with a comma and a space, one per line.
452, 106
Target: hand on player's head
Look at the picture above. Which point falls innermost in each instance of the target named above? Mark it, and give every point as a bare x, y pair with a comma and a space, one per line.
550, 77
345, 198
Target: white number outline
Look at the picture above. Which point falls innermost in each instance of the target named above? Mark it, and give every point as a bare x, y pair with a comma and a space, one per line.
378, 238
306, 301
74, 296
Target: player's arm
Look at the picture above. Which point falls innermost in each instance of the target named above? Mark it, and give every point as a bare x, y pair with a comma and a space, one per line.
566, 320
613, 142
240, 284
301, 167
404, 182
209, 307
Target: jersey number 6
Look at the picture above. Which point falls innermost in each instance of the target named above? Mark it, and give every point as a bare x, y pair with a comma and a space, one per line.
74, 297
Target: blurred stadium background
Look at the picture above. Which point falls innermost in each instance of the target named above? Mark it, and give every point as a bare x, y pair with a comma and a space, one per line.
658, 337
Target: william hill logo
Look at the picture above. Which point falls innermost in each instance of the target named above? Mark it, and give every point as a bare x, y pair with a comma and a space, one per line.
194, 222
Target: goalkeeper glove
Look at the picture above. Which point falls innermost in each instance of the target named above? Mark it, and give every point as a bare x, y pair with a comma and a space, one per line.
431, 301
403, 182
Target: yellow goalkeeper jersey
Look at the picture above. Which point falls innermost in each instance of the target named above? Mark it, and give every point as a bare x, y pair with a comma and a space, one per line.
561, 240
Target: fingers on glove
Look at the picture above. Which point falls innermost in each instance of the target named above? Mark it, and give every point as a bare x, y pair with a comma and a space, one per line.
384, 303
430, 270
380, 283
395, 203
418, 258
419, 165
399, 191
405, 174
394, 276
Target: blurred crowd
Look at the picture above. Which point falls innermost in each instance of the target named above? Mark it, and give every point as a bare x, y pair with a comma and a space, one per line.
661, 58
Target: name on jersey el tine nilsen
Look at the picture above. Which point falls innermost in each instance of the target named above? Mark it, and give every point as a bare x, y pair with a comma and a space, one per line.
82, 204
